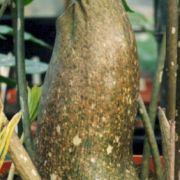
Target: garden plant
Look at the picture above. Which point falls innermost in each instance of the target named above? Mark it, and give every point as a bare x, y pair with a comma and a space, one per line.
90, 97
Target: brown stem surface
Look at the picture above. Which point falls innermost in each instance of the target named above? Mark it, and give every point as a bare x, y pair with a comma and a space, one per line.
177, 160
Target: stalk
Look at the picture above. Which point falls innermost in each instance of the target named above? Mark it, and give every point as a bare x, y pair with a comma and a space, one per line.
153, 107
177, 160
151, 139
21, 76
171, 50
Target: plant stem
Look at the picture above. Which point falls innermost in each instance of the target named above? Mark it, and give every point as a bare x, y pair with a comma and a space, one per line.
21, 76
153, 107
171, 49
151, 139
177, 160
171, 54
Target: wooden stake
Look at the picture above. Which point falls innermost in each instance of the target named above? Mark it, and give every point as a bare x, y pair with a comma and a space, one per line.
22, 161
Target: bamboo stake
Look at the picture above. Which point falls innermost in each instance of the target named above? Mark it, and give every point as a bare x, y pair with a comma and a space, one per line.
11, 172
21, 75
151, 139
165, 134
13, 169
19, 156
168, 143
21, 160
153, 107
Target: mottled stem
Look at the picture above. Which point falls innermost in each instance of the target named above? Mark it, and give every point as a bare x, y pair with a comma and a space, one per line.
177, 160
171, 55
153, 107
171, 49
151, 139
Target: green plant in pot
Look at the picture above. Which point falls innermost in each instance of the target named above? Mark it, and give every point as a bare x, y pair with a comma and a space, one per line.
89, 98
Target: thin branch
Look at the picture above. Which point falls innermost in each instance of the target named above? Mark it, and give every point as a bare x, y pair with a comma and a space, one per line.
151, 139
177, 160
153, 107
171, 51
21, 75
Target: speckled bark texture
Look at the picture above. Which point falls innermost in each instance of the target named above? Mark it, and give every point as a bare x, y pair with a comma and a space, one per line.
89, 101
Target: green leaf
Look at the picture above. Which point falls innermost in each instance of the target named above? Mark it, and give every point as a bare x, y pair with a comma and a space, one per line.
4, 29
7, 30
34, 95
30, 37
10, 82
32, 67
2, 37
26, 2
126, 6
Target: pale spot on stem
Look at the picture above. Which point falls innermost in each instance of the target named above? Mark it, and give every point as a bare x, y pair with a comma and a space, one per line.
109, 149
18, 24
103, 119
58, 129
93, 160
173, 30
160, 76
23, 158
116, 139
49, 154
77, 140
141, 111
53, 176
